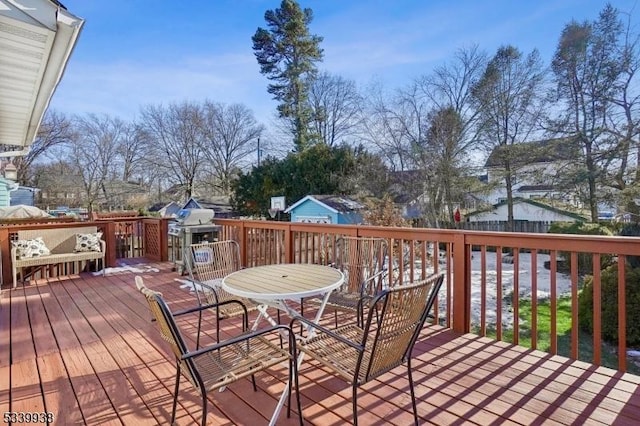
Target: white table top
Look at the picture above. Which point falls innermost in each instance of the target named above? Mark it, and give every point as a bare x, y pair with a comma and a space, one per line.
283, 281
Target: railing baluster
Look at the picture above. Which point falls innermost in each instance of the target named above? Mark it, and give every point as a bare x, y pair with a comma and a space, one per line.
574, 305
622, 314
534, 299
483, 290
597, 310
499, 292
515, 298
553, 335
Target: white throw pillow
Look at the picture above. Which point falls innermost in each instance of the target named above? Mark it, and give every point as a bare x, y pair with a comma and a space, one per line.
88, 242
31, 248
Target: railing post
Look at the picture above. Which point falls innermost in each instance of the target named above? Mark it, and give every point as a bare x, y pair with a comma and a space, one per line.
288, 244
243, 245
5, 250
164, 240
461, 284
110, 241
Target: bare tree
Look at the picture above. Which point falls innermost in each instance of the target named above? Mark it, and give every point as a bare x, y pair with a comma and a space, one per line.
229, 135
335, 108
449, 88
175, 142
93, 146
586, 72
131, 152
623, 122
452, 131
384, 128
509, 107
54, 131
440, 158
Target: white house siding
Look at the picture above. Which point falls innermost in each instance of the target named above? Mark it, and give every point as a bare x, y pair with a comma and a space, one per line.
522, 211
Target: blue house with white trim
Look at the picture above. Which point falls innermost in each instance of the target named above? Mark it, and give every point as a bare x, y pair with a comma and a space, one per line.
334, 209
6, 187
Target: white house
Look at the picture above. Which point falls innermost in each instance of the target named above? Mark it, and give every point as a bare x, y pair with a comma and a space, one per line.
535, 167
525, 209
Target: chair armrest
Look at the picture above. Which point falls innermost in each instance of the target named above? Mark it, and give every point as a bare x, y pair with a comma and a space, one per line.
242, 338
14, 253
200, 308
365, 284
326, 331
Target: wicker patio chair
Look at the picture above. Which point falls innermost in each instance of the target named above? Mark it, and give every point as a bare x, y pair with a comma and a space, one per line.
216, 366
361, 353
207, 264
362, 260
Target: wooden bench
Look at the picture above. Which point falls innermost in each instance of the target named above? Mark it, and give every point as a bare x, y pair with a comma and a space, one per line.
61, 242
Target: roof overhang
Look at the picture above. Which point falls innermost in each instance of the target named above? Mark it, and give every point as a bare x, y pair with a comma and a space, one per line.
36, 41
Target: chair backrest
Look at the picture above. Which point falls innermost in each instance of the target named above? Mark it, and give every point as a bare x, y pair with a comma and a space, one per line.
212, 261
168, 329
361, 259
392, 328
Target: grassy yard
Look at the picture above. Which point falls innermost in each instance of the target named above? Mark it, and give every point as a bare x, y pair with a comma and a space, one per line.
563, 317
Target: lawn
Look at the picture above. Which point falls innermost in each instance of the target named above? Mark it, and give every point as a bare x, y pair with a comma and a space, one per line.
563, 318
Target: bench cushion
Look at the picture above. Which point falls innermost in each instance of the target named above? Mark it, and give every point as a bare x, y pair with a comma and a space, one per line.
58, 258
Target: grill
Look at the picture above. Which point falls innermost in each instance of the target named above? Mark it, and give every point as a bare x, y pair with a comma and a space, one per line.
192, 226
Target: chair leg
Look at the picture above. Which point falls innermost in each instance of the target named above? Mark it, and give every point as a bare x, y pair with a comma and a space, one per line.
354, 400
293, 379
301, 314
204, 408
217, 325
175, 393
413, 394
199, 325
280, 335
253, 380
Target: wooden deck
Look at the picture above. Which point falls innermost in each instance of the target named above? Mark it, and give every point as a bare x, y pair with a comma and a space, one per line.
84, 349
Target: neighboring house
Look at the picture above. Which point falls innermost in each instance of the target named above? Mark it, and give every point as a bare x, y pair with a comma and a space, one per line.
525, 210
6, 186
23, 195
535, 167
333, 209
220, 204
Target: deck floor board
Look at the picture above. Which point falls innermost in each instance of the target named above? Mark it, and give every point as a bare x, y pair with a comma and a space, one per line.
84, 348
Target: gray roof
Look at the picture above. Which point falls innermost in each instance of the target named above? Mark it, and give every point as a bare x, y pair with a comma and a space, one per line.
545, 151
339, 202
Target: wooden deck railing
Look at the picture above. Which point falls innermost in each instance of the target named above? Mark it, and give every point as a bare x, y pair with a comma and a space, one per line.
469, 259
124, 238
482, 293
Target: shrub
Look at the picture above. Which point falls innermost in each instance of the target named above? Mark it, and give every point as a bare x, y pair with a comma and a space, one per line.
632, 230
585, 260
609, 304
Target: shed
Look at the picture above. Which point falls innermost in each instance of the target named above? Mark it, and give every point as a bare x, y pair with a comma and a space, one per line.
23, 195
524, 209
334, 209
6, 186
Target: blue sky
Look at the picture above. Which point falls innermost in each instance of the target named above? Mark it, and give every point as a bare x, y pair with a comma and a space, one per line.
137, 52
